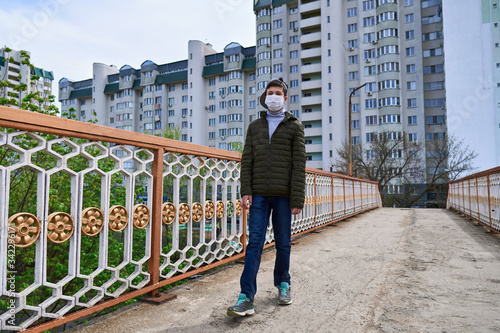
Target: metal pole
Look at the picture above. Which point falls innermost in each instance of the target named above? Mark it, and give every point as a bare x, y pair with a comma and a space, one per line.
350, 126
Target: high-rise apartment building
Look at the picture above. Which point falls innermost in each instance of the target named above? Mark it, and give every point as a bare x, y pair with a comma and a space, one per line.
11, 67
328, 48
206, 95
472, 66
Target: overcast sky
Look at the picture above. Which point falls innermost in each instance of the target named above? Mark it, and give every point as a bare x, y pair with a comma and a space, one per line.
67, 36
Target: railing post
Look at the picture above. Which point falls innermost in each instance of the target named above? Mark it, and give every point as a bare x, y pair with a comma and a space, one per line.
244, 236
477, 199
470, 202
343, 185
489, 198
361, 194
154, 260
463, 196
315, 199
333, 199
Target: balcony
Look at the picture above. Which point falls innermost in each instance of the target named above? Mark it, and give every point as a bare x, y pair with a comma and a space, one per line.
313, 131
314, 148
309, 7
313, 68
310, 53
311, 100
311, 84
310, 22
310, 116
309, 38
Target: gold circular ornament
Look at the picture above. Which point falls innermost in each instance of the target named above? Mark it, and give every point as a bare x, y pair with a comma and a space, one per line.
141, 216
220, 209
26, 229
238, 207
184, 213
209, 210
197, 212
92, 221
60, 226
230, 208
168, 213
118, 218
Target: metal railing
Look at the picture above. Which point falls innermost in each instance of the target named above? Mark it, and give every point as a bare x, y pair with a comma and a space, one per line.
92, 216
478, 197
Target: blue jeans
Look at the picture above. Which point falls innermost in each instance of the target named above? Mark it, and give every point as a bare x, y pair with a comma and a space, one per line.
260, 210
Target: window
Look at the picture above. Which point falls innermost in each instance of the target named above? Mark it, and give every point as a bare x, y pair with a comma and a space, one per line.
294, 25
354, 108
389, 101
171, 113
278, 68
434, 85
251, 105
251, 77
211, 95
370, 70
371, 120
432, 36
355, 124
222, 132
293, 10
390, 119
369, 54
251, 90
184, 112
356, 93
371, 137
430, 3
294, 83
294, 69
433, 52
353, 43
371, 86
388, 49
369, 37
411, 85
277, 9
409, 18
433, 103
433, 69
264, 70
211, 135
353, 75
235, 75
410, 68
277, 24
352, 12
387, 33
354, 141
368, 21
388, 84
278, 53
211, 122
277, 38
127, 78
410, 34
412, 137
388, 67
171, 88
408, 2
185, 98
353, 59
371, 103
387, 16
294, 39
264, 41
412, 102
432, 120
412, 120
352, 27
148, 74
294, 54
263, 55
410, 51
222, 105
367, 5
370, 154
431, 19
390, 136
294, 99
264, 12
261, 85
263, 26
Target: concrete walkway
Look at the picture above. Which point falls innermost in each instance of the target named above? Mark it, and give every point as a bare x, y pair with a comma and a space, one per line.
388, 270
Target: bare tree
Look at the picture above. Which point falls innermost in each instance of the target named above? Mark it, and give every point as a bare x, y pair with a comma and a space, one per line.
393, 160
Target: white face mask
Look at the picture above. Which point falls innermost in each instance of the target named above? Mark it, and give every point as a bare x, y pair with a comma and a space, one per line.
274, 102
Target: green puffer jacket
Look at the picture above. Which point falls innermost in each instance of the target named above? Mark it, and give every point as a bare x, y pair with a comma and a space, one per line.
275, 167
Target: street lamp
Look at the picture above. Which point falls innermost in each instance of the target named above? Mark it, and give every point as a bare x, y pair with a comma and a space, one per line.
350, 126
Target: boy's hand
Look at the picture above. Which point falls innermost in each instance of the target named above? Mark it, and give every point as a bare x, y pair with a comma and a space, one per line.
296, 211
244, 201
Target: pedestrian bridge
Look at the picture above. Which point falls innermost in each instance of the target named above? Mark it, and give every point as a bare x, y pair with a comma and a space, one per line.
93, 217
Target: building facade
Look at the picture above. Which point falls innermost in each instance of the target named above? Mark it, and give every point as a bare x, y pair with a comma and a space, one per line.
206, 96
473, 76
11, 67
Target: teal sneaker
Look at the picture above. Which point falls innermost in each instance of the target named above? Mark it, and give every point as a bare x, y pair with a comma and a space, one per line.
284, 297
243, 307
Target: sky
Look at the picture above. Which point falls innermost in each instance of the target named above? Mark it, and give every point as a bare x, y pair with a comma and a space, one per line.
68, 36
